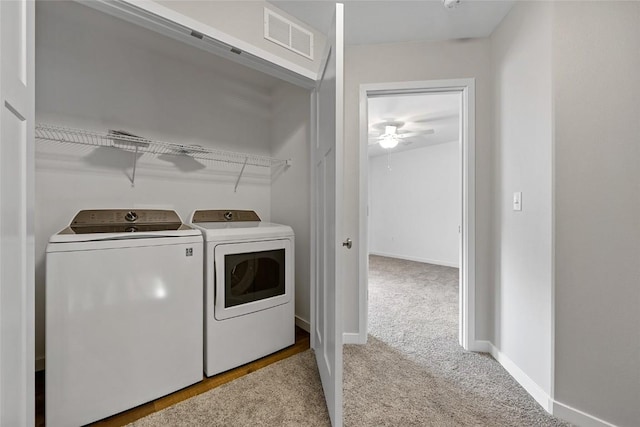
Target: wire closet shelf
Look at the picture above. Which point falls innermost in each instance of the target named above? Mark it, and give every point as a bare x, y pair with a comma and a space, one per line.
138, 145
128, 142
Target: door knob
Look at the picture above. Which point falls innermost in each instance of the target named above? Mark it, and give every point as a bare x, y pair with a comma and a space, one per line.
348, 243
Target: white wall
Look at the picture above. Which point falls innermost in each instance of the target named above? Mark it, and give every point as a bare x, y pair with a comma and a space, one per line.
596, 59
523, 271
415, 204
244, 20
413, 62
290, 191
97, 72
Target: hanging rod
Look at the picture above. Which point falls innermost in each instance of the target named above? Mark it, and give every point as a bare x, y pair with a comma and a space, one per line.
125, 141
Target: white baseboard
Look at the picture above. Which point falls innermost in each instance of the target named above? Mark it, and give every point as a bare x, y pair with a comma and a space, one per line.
577, 417
480, 346
558, 409
40, 363
353, 338
303, 324
523, 379
417, 259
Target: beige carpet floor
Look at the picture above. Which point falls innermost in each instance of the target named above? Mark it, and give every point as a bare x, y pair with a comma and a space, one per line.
410, 373
287, 393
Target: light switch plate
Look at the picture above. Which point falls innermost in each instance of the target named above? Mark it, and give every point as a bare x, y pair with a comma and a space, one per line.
517, 201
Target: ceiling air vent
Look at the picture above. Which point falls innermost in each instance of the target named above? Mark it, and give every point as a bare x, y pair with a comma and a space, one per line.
282, 31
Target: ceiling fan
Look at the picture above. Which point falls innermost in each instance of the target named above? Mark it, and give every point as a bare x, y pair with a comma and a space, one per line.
388, 134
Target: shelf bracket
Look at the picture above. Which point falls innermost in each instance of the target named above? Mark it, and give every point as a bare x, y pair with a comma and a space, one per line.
246, 159
135, 163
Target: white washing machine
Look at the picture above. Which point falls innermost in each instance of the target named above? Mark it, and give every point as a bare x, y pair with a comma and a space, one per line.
249, 287
123, 313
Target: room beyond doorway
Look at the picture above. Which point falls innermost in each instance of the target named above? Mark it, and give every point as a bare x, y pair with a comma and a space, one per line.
395, 136
415, 201
414, 219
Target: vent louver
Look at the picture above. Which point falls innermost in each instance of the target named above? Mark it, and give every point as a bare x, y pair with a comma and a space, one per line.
287, 34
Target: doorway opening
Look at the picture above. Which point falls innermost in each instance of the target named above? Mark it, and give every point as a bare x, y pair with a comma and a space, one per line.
417, 209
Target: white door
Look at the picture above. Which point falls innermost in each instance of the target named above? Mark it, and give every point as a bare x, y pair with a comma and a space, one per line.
16, 213
327, 328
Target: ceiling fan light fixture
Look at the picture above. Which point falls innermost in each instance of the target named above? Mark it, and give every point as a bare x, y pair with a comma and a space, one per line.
388, 142
389, 139
450, 4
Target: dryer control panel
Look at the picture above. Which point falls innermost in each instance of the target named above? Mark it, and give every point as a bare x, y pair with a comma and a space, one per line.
224, 216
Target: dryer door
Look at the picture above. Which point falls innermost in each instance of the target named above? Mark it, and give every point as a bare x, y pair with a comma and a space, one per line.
252, 276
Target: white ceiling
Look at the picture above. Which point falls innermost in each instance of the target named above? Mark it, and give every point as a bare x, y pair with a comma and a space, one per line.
371, 22
440, 112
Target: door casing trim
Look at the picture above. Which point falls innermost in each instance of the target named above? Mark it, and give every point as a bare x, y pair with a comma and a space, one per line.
467, 311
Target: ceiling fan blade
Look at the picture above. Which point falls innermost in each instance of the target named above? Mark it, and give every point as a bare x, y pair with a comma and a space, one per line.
380, 126
431, 117
417, 133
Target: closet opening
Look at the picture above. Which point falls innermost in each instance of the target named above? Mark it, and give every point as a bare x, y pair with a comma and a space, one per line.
131, 119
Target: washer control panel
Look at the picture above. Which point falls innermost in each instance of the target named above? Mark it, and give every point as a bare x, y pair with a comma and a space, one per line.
224, 216
114, 220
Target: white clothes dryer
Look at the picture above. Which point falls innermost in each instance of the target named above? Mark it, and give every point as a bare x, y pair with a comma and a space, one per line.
249, 287
124, 313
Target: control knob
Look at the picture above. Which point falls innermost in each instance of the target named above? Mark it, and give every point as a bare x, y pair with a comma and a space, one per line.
131, 216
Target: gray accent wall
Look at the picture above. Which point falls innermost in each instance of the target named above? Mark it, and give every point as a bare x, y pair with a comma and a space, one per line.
596, 70
566, 268
523, 143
